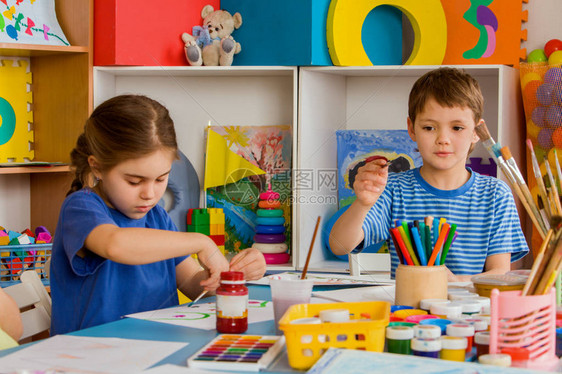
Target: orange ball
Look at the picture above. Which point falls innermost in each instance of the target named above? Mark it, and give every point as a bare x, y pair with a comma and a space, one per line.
529, 77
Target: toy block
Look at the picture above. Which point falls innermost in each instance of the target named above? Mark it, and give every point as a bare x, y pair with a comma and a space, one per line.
143, 32
217, 228
44, 237
5, 254
202, 229
24, 239
306, 37
13, 234
3, 233
4, 240
221, 248
198, 217
28, 232
218, 239
40, 229
216, 215
14, 265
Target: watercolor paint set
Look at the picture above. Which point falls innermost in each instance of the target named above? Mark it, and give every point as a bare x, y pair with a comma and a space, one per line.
238, 352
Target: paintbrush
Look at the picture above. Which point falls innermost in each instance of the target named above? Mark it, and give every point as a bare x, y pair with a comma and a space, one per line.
536, 264
558, 170
538, 177
522, 190
543, 213
303, 275
549, 251
549, 274
554, 189
197, 298
487, 141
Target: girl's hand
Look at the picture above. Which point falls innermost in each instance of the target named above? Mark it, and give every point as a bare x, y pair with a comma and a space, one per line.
251, 262
215, 263
370, 181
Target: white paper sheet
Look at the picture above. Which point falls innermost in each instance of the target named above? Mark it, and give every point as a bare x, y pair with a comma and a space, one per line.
175, 369
203, 316
331, 279
79, 354
355, 294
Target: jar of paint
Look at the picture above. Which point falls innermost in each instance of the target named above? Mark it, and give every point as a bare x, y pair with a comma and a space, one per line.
497, 359
427, 331
425, 304
449, 310
519, 356
232, 303
440, 322
426, 347
398, 339
470, 306
462, 331
482, 343
453, 348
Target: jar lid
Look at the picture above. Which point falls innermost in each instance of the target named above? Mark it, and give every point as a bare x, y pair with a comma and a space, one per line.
451, 290
484, 316
403, 313
461, 296
232, 276
470, 306
426, 303
516, 353
399, 332
482, 337
457, 329
426, 345
450, 310
427, 331
479, 324
453, 342
499, 279
334, 315
498, 359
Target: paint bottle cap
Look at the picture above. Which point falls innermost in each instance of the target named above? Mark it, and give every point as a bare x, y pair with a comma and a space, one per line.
427, 331
482, 337
334, 315
399, 332
439, 322
470, 306
479, 324
425, 304
403, 313
426, 345
462, 296
516, 353
452, 290
498, 359
485, 316
457, 329
450, 310
485, 302
453, 342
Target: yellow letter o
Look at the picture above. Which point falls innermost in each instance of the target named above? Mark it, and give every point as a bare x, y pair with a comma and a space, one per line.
345, 21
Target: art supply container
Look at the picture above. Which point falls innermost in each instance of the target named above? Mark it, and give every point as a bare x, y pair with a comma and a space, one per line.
403, 313
519, 356
415, 283
464, 331
484, 302
484, 284
439, 322
469, 306
462, 296
446, 310
334, 315
496, 359
426, 347
287, 292
482, 343
453, 348
419, 317
425, 304
525, 321
359, 332
232, 303
427, 332
402, 323
398, 339
394, 308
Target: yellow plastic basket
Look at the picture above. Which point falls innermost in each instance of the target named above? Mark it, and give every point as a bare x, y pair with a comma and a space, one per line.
307, 342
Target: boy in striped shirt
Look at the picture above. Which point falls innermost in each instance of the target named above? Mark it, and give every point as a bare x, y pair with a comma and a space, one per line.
444, 107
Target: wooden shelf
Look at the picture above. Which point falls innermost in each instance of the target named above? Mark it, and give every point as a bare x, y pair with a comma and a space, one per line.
37, 50
35, 169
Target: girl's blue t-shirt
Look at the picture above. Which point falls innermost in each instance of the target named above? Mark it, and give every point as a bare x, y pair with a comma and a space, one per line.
91, 290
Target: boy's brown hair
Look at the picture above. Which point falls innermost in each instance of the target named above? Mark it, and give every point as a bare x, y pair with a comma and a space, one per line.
450, 87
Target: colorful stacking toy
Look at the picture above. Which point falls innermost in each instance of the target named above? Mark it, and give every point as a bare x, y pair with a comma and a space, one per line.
270, 230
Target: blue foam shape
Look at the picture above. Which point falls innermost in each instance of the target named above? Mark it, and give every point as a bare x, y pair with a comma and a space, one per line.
293, 33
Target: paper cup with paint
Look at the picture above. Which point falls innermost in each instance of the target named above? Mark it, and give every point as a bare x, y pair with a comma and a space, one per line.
287, 292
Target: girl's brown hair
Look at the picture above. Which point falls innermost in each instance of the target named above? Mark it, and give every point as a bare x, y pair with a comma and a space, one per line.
122, 128
450, 87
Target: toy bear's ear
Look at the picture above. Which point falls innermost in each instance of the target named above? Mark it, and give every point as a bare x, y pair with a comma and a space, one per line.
237, 18
207, 9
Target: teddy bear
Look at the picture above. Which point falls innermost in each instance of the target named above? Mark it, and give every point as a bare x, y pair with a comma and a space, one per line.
212, 43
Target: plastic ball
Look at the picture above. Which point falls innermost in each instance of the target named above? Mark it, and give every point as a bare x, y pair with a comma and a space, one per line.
540, 152
553, 75
557, 93
553, 116
555, 58
545, 138
529, 77
537, 55
557, 139
551, 46
545, 94
538, 115
532, 130
530, 94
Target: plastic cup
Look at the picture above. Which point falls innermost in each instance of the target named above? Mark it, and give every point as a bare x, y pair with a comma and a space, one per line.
287, 292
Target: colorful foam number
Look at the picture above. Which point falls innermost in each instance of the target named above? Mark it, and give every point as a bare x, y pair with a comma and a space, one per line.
346, 17
484, 32
15, 116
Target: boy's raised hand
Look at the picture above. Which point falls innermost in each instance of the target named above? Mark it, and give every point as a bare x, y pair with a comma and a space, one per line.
370, 181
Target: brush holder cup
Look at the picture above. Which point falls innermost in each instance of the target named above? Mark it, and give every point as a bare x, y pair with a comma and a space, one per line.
415, 283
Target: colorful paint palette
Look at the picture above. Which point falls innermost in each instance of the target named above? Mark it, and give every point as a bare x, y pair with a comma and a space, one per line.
238, 353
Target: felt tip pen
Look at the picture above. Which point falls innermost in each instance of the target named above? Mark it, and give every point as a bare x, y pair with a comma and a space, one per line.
419, 246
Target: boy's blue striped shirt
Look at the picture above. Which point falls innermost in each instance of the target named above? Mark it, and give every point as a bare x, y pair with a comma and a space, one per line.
483, 209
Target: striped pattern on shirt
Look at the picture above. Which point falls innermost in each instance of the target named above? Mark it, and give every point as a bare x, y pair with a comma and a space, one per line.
483, 209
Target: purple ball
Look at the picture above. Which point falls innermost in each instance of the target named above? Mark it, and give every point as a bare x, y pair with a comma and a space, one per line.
538, 116
545, 94
545, 138
553, 116
553, 76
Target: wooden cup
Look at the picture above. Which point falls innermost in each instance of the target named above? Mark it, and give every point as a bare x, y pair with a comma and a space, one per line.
415, 283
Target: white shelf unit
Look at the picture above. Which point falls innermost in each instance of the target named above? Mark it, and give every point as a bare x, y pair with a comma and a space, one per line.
336, 98
228, 96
